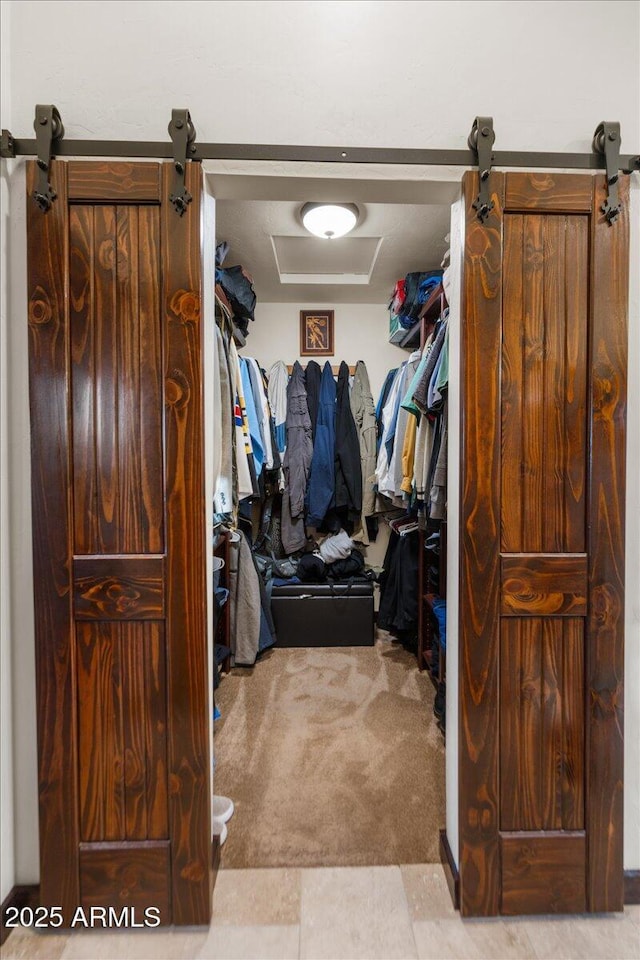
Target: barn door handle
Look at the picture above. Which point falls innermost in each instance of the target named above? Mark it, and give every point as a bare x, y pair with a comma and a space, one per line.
183, 134
481, 140
48, 127
607, 140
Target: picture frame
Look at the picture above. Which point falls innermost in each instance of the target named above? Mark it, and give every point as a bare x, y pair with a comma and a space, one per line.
317, 333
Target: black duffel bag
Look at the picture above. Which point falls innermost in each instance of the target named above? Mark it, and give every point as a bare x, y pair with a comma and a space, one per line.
351, 566
311, 568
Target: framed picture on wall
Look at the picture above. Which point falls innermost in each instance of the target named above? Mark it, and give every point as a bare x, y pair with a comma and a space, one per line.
316, 333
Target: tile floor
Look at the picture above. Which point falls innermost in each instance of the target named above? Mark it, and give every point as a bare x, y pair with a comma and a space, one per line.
340, 913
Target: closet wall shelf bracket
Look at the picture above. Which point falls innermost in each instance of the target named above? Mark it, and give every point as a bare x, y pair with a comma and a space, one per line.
183, 135
48, 127
481, 139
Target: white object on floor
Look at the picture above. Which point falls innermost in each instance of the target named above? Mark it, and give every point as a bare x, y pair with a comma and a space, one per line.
219, 829
222, 808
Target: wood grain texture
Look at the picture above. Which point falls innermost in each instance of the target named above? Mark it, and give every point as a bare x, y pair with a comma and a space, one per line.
512, 400
542, 724
47, 252
122, 731
549, 192
123, 708
542, 584
532, 882
116, 377
135, 875
606, 512
480, 553
554, 485
544, 383
118, 588
113, 182
187, 669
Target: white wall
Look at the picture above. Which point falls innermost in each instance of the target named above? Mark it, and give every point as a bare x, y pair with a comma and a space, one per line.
411, 74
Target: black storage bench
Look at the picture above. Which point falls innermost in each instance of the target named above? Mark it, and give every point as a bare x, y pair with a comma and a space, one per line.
324, 615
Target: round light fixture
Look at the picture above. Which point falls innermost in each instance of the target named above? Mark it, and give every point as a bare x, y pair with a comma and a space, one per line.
329, 220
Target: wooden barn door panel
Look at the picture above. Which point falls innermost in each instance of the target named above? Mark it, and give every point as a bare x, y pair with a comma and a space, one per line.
544, 371
118, 503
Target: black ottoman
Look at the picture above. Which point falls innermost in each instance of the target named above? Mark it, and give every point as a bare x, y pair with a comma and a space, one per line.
324, 615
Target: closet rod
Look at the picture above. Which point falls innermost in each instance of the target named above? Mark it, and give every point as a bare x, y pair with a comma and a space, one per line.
161, 150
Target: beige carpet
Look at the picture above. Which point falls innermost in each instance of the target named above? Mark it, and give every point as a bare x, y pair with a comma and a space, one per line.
332, 757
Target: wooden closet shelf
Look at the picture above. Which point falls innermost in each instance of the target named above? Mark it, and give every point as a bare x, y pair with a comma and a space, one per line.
434, 305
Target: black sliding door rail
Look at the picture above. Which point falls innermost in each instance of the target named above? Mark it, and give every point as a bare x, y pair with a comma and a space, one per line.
161, 150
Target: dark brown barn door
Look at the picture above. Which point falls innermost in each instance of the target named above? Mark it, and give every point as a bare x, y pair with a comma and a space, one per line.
544, 339
118, 534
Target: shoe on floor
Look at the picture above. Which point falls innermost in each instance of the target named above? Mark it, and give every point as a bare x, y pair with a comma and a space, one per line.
222, 808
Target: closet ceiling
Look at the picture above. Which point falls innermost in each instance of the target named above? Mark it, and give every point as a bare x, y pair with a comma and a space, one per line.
289, 265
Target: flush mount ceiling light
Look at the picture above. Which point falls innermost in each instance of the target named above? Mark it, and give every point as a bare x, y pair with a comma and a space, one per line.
329, 220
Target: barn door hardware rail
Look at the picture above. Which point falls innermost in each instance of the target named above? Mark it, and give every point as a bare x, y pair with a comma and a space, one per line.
606, 141
481, 140
183, 134
49, 129
597, 159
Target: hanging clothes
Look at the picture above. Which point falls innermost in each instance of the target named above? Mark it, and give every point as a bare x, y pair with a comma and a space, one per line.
401, 427
382, 399
348, 472
398, 612
312, 378
384, 425
245, 600
262, 408
386, 464
245, 471
278, 380
297, 462
254, 419
421, 391
408, 455
364, 415
322, 482
223, 432
438, 493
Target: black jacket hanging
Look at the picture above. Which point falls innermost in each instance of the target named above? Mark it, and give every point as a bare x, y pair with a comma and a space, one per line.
312, 376
347, 460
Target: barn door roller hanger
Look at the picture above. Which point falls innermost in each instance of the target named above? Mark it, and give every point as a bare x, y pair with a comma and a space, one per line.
50, 142
606, 143
49, 128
